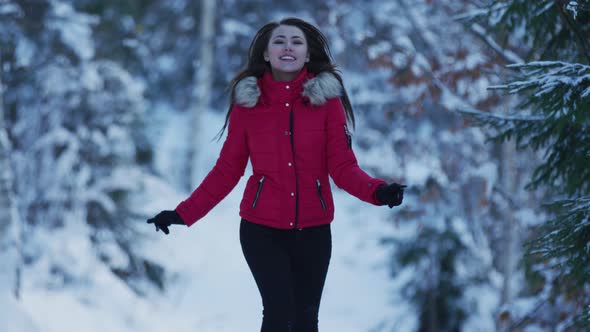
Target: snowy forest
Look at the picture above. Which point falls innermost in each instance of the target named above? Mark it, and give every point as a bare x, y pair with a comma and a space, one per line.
110, 110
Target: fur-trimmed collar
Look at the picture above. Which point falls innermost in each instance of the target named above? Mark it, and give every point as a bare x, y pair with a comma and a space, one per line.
317, 89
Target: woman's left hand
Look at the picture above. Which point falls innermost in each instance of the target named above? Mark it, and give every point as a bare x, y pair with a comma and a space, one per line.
391, 194
164, 219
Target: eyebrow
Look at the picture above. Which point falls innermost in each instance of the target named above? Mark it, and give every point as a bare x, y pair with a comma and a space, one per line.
283, 36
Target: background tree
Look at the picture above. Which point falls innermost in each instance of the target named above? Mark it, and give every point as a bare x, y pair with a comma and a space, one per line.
74, 121
92, 88
552, 117
10, 246
202, 87
457, 206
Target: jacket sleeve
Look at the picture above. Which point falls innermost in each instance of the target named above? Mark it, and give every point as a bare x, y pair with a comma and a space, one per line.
342, 163
224, 176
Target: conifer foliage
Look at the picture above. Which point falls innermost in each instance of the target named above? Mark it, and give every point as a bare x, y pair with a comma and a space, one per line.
553, 117
74, 120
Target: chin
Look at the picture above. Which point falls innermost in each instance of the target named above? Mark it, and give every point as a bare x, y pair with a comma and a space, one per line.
290, 69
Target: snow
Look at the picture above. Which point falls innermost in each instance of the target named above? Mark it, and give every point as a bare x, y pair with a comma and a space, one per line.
75, 29
8, 8
488, 171
187, 23
418, 171
25, 51
13, 317
209, 286
234, 27
530, 217
379, 49
483, 302
68, 282
166, 63
573, 7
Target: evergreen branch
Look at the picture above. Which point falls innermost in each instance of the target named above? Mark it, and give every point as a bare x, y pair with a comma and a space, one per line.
531, 315
566, 238
581, 7
541, 64
545, 25
559, 74
500, 117
558, 95
581, 41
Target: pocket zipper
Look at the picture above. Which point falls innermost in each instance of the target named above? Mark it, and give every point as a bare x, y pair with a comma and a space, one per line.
320, 194
258, 191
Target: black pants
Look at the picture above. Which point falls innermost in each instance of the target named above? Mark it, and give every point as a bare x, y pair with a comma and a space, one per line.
289, 267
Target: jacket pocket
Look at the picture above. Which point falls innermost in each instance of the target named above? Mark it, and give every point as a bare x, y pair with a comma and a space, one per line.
319, 185
260, 184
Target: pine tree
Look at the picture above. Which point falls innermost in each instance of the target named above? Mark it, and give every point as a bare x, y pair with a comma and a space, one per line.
10, 221
454, 199
74, 118
9, 225
553, 118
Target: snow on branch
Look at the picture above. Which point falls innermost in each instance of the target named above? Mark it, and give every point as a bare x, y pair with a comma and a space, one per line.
10, 9
546, 7
575, 6
548, 76
576, 204
497, 9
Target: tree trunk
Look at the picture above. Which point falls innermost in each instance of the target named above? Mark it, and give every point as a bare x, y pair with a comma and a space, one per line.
509, 181
203, 83
434, 288
9, 230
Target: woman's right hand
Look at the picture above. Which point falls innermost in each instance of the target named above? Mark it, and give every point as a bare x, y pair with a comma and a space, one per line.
391, 194
164, 219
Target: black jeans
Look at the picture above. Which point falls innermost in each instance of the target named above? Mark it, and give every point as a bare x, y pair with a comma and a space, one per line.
289, 267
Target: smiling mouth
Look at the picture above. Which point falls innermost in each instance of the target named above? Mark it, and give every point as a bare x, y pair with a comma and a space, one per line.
287, 58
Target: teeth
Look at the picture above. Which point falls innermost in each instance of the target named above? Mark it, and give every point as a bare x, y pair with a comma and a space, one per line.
287, 57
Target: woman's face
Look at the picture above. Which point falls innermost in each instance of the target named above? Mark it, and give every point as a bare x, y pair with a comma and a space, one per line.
287, 52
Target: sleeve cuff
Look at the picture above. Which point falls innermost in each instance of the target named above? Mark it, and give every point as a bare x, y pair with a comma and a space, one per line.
182, 211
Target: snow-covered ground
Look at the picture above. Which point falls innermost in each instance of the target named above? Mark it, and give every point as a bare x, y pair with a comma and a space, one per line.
209, 287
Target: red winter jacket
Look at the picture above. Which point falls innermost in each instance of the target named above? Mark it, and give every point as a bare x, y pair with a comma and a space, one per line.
295, 135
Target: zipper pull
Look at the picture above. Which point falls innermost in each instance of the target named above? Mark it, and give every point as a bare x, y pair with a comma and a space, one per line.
261, 179
318, 182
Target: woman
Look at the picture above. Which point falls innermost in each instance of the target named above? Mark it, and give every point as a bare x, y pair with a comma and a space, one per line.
288, 115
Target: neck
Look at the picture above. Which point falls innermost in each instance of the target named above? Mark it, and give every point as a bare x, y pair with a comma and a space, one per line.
283, 76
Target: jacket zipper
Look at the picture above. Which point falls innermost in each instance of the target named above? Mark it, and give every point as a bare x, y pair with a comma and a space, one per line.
295, 169
320, 194
260, 183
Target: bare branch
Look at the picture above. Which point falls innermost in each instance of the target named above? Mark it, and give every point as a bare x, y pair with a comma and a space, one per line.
507, 55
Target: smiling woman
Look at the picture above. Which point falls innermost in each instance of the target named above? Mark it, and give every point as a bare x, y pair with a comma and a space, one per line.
287, 52
288, 116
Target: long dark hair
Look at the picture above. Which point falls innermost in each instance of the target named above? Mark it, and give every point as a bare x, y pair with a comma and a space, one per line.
320, 60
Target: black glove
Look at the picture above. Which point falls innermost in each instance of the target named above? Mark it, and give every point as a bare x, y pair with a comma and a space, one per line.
390, 194
164, 219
